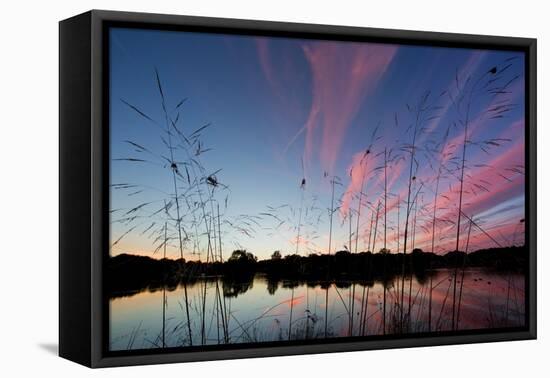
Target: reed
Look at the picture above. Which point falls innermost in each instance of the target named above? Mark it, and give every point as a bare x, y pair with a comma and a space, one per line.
333, 182
434, 221
463, 274
412, 154
385, 236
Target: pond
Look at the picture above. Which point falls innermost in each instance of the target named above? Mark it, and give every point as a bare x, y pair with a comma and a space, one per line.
216, 311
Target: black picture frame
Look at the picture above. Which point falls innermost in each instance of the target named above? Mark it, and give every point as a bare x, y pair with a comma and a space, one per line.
84, 167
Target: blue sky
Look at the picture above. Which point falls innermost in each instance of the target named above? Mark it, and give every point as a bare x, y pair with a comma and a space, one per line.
281, 110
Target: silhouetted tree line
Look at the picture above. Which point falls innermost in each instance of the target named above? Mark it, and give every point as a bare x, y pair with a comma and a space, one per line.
131, 272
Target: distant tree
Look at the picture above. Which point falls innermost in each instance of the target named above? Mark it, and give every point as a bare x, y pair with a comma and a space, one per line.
384, 251
417, 250
293, 257
242, 256
343, 254
276, 255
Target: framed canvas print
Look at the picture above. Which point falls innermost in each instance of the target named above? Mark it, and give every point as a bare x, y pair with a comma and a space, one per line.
234, 188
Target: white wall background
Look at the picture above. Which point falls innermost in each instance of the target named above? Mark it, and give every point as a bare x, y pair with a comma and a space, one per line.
29, 186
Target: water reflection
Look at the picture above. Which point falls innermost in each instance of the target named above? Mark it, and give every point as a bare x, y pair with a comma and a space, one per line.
260, 308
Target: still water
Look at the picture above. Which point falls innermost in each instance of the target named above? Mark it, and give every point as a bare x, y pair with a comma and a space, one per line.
265, 310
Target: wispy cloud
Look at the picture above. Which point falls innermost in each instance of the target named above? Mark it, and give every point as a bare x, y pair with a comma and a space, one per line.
502, 186
455, 89
343, 74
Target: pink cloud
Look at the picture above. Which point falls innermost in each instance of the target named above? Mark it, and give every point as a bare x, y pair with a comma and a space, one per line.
359, 169
478, 123
343, 74
374, 180
263, 55
476, 201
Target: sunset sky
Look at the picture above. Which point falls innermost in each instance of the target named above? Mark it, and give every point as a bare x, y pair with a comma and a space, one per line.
286, 109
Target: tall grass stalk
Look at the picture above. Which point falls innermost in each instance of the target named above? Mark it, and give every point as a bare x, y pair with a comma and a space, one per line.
333, 182
461, 191
463, 274
385, 236
164, 290
434, 222
411, 258
351, 304
412, 148
173, 168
